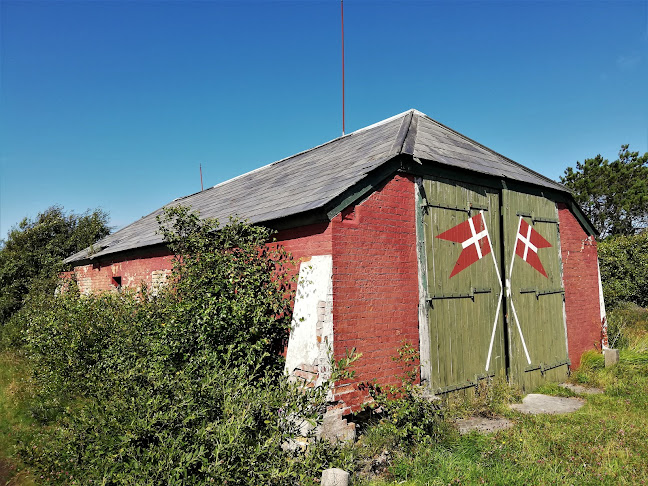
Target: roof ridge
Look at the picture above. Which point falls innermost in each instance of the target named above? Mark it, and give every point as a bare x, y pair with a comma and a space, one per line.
401, 136
409, 142
523, 167
360, 130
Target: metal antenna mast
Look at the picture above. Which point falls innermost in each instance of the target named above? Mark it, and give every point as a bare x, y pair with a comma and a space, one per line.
342, 8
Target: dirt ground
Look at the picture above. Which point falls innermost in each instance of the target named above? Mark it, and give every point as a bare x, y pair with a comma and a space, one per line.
8, 476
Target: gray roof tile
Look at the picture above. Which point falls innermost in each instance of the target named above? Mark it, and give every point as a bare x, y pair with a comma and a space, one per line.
311, 179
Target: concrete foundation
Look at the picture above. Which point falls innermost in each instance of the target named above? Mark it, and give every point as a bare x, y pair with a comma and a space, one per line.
611, 357
336, 429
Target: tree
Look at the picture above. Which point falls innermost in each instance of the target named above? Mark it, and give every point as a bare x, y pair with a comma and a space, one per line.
613, 195
32, 256
624, 269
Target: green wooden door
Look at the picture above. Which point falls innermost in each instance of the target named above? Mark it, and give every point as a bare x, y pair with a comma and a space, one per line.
461, 226
535, 293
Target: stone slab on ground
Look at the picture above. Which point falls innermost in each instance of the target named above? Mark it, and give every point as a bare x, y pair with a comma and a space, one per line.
581, 390
483, 425
335, 477
535, 403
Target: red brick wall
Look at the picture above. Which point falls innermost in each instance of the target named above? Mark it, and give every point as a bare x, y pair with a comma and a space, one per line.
375, 279
307, 241
302, 243
150, 270
375, 283
580, 276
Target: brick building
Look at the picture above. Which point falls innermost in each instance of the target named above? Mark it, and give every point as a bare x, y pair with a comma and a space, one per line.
406, 231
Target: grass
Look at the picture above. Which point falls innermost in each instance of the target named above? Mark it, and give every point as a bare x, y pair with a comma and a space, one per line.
605, 442
15, 421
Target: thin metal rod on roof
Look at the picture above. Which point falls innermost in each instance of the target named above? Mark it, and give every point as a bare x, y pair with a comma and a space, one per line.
342, 8
201, 184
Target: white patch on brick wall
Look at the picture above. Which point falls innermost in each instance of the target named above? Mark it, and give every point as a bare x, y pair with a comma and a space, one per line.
604, 336
158, 280
311, 337
84, 281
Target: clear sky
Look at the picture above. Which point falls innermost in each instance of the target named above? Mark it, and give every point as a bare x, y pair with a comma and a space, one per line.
114, 104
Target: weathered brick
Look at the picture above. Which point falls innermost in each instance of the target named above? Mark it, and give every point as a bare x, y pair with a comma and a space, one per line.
375, 284
150, 270
580, 276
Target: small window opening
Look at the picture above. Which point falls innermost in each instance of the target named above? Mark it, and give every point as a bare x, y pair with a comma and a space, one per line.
116, 281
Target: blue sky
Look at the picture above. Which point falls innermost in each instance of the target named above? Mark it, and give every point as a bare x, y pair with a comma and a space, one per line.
115, 104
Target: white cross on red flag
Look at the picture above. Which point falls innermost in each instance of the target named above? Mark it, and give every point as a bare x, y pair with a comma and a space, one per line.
473, 236
527, 244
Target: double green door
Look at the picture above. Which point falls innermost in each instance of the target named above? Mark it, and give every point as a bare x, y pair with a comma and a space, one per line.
493, 280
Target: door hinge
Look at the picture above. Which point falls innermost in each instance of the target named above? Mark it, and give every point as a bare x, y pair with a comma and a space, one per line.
464, 209
465, 384
470, 295
538, 292
543, 367
535, 219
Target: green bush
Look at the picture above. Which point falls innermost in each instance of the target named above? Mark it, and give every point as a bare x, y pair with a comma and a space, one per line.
628, 327
184, 387
624, 269
85, 346
193, 427
403, 415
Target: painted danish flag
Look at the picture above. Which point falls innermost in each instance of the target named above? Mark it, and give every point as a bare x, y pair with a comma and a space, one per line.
527, 244
474, 239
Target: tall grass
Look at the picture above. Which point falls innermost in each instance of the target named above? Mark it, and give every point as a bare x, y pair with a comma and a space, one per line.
605, 442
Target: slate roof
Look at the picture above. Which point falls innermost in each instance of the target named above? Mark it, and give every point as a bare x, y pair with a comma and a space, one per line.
311, 179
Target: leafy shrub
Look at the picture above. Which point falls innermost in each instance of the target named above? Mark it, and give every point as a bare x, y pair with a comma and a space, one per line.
624, 269
184, 387
225, 426
84, 346
627, 327
404, 413
11, 333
